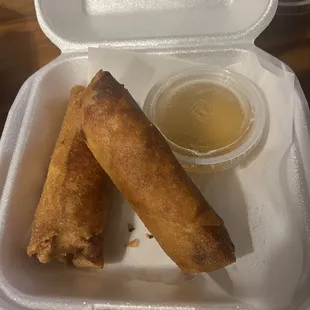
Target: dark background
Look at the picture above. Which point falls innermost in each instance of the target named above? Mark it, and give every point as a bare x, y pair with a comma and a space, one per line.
24, 48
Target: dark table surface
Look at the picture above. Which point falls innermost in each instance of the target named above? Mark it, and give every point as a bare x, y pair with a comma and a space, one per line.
24, 48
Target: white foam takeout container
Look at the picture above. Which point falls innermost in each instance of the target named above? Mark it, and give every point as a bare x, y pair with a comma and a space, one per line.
210, 31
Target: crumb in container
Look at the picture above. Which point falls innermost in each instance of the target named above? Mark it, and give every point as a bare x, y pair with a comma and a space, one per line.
130, 227
132, 244
149, 236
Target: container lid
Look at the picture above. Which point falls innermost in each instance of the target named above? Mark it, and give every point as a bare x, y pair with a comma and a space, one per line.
76, 25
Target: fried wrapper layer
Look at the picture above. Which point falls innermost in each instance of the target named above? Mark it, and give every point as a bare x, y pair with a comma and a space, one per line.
141, 164
73, 208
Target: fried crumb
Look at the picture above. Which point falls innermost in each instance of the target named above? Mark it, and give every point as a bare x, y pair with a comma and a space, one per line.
132, 244
130, 227
149, 236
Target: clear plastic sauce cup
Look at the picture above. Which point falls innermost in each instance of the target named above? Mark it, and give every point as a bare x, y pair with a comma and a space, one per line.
212, 118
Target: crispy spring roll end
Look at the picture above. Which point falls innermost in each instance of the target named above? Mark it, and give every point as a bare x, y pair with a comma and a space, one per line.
44, 251
89, 255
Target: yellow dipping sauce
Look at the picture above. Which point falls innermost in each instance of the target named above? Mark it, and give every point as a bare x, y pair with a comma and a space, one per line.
203, 117
211, 117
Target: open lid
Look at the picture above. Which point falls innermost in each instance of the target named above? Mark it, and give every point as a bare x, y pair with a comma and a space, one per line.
78, 24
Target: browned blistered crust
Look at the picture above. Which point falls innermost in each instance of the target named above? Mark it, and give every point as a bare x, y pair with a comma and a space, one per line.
142, 166
73, 208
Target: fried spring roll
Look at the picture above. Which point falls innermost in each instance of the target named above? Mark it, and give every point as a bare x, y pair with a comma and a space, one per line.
142, 166
72, 211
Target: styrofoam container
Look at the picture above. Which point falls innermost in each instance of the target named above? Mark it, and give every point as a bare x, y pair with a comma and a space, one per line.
210, 31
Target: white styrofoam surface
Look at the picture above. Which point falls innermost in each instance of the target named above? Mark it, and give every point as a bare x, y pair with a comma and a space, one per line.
131, 281
78, 24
